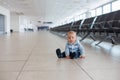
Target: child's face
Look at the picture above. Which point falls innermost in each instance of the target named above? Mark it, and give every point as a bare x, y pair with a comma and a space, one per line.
71, 38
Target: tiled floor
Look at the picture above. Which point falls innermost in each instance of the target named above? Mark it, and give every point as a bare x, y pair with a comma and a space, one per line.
31, 56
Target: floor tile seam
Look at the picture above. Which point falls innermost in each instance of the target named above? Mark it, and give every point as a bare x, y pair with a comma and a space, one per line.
11, 60
84, 70
46, 70
10, 71
26, 60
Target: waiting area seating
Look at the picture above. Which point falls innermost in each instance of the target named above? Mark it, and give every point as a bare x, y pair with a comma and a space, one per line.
104, 27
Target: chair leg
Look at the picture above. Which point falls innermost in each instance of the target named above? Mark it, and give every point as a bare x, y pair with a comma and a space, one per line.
109, 37
113, 40
84, 37
91, 36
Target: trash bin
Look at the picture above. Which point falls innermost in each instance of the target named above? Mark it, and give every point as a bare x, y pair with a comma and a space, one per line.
11, 31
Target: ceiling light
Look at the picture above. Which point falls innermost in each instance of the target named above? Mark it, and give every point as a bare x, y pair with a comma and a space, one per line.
19, 13
47, 22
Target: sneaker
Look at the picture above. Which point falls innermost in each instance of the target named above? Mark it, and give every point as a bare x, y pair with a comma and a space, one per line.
58, 53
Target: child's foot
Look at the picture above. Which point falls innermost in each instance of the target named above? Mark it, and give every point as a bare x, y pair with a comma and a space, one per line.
58, 53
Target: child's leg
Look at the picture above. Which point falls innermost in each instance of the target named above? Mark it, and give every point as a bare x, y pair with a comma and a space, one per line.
72, 55
59, 54
78, 55
63, 55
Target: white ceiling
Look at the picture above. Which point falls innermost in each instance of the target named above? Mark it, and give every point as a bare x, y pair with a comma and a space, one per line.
50, 10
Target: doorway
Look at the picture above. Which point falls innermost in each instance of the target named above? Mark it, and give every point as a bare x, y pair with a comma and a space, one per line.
2, 24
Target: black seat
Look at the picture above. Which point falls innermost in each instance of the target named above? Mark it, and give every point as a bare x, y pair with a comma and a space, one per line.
86, 28
76, 26
111, 26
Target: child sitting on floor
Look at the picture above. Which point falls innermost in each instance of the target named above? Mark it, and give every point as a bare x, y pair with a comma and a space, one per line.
73, 48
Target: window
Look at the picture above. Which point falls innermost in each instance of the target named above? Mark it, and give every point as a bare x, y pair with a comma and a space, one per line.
99, 11
77, 18
116, 5
83, 16
106, 8
92, 13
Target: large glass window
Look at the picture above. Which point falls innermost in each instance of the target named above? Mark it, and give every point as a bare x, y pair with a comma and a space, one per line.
77, 18
92, 13
71, 20
106, 8
83, 16
99, 11
116, 5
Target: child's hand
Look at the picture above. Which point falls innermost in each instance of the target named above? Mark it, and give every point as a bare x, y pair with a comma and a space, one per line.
67, 57
82, 56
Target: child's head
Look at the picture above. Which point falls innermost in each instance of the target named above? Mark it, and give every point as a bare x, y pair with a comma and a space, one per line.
71, 37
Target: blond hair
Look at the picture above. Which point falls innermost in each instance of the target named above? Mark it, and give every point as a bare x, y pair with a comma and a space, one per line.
71, 32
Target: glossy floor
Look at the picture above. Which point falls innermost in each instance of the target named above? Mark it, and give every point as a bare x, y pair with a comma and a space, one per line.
31, 56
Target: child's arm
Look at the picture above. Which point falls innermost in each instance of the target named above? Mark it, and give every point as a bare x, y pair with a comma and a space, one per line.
67, 51
81, 48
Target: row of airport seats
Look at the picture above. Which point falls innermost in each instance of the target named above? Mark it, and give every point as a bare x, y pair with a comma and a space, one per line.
104, 27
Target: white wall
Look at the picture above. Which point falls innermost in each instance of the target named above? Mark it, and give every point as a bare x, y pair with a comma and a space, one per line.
6, 12
22, 23
14, 22
27, 22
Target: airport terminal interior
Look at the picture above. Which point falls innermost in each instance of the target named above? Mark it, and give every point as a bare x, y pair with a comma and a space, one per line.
32, 30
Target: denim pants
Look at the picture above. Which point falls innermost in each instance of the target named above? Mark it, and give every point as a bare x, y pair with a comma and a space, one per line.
72, 55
